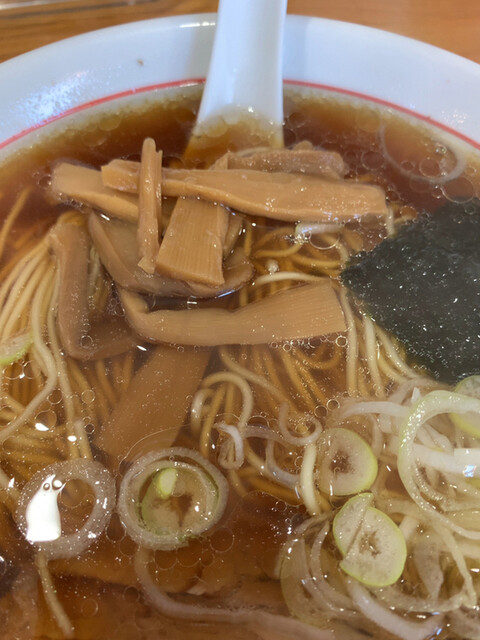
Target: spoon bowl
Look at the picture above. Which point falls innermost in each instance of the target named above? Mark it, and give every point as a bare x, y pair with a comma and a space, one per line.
244, 81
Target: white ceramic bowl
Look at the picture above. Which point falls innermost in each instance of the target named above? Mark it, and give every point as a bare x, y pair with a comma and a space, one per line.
48, 84
42, 88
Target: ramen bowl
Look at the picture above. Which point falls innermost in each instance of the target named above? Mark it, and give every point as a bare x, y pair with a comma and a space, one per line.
264, 473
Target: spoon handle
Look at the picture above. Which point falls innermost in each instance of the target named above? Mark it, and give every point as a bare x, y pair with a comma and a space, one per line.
245, 73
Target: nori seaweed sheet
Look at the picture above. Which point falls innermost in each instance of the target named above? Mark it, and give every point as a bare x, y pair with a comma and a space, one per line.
423, 286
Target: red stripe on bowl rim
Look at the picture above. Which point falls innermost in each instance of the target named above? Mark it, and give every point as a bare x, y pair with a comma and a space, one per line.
98, 101
194, 81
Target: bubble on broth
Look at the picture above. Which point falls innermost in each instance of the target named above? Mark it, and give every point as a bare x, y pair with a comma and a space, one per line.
372, 160
46, 420
114, 531
436, 192
28, 370
131, 594
14, 371
94, 138
89, 608
222, 540
55, 397
332, 404
110, 122
9, 446
459, 190
87, 342
368, 120
88, 396
127, 547
165, 560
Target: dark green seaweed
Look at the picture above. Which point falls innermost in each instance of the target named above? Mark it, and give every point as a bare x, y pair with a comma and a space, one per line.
423, 286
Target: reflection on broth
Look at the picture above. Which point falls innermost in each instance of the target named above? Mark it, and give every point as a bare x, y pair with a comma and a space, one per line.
202, 430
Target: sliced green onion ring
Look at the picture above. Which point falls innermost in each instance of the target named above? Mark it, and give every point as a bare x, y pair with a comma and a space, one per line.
168, 497
468, 422
38, 516
434, 403
13, 348
373, 547
254, 620
346, 463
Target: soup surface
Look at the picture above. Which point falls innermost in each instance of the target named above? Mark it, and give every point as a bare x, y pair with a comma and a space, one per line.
318, 484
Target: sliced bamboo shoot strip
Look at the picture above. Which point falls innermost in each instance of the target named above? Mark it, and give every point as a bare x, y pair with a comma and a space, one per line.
299, 312
71, 244
192, 247
121, 175
72, 181
116, 244
282, 196
286, 193
153, 408
317, 162
235, 225
149, 205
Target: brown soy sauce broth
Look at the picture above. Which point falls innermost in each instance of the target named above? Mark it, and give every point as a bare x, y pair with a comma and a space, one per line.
237, 561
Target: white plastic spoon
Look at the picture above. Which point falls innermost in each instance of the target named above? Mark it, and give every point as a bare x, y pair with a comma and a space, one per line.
244, 81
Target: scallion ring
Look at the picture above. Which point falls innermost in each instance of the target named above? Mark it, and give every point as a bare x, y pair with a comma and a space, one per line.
168, 497
38, 515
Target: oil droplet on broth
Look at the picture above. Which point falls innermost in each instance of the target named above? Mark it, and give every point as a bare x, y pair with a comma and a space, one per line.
45, 420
